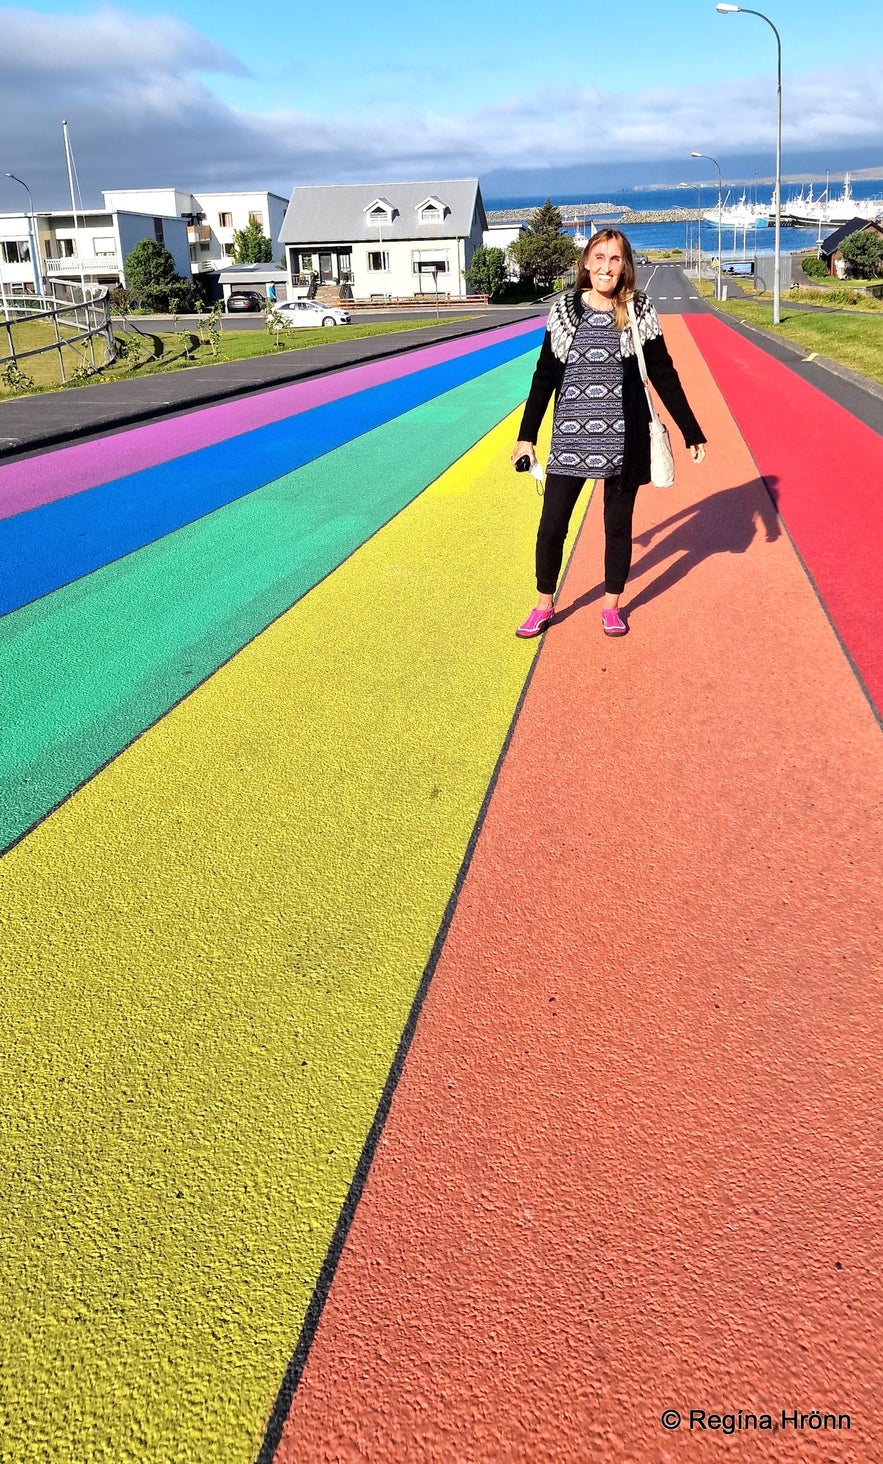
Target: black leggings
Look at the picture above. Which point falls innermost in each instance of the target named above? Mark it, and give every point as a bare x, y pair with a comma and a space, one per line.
559, 501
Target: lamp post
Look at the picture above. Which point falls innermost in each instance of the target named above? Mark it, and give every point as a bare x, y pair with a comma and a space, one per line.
699, 235
777, 252
720, 209
32, 234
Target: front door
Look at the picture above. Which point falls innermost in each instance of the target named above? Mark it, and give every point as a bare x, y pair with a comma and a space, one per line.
326, 268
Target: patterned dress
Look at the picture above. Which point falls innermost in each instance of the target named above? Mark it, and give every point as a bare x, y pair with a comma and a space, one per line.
588, 430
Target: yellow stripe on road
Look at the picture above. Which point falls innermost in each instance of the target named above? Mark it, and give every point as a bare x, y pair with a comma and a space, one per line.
209, 954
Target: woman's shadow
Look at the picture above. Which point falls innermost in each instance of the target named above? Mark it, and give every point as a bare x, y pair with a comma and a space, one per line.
724, 523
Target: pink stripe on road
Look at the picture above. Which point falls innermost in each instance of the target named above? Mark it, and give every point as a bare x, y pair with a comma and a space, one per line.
83, 465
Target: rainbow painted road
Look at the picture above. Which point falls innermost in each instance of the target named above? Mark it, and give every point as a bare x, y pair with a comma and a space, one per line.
410, 1040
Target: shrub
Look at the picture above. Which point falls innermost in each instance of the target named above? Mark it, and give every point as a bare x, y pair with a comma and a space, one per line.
814, 267
487, 271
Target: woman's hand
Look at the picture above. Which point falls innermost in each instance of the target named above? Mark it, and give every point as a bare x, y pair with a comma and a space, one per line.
697, 452
523, 449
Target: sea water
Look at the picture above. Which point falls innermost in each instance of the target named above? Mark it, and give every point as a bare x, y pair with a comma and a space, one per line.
738, 243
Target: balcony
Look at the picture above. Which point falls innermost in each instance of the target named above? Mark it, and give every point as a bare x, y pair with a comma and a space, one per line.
199, 234
81, 264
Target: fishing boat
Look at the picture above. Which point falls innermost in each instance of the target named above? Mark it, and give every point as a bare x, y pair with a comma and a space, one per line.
826, 211
741, 215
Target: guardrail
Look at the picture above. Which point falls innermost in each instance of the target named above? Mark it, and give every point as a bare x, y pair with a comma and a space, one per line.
76, 324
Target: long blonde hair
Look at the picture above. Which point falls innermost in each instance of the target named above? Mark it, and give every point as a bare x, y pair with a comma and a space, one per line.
625, 289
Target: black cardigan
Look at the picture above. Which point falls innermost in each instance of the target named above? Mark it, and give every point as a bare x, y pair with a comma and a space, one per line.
549, 374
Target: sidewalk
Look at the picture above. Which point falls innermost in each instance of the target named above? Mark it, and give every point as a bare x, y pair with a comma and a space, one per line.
31, 423
423, 1044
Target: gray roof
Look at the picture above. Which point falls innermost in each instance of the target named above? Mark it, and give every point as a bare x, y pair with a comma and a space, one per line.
236, 274
829, 245
336, 214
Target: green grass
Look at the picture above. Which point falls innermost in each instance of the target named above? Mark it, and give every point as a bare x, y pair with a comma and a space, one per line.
175, 351
852, 338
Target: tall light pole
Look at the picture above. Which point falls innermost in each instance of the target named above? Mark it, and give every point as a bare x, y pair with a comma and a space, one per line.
720, 209
777, 258
699, 234
32, 234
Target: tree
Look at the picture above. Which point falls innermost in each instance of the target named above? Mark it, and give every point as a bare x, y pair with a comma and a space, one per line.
151, 278
487, 271
251, 245
544, 252
864, 251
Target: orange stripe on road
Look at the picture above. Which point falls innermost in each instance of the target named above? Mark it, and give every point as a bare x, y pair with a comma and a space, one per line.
629, 1166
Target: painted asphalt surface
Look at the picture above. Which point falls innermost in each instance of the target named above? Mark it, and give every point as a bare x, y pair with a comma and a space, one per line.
421, 1044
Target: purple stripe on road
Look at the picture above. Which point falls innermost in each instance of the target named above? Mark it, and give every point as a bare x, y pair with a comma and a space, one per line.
44, 479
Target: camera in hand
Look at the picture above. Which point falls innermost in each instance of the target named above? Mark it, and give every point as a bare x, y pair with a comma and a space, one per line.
522, 464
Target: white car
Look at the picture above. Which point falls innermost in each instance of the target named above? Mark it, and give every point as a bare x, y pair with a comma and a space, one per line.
311, 313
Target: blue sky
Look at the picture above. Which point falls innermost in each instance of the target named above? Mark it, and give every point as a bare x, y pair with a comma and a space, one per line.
264, 95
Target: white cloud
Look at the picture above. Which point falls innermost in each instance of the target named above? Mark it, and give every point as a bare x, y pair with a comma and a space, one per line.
140, 112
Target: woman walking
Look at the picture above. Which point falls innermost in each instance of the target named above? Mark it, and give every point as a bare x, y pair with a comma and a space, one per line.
600, 429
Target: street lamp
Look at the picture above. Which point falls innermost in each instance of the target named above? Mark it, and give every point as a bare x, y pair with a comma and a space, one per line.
32, 233
720, 209
777, 253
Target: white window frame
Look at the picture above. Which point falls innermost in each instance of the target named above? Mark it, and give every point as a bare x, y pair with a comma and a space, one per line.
439, 257
383, 266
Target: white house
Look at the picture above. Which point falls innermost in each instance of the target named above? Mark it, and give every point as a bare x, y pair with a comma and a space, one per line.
210, 218
386, 240
91, 245
503, 236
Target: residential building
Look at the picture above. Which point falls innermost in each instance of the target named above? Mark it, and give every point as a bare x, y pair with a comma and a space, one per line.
92, 245
211, 218
503, 236
829, 249
385, 240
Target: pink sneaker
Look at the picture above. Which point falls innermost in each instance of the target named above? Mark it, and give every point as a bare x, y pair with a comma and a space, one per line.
535, 623
612, 623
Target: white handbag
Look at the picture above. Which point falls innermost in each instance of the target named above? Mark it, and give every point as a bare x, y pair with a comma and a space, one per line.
662, 463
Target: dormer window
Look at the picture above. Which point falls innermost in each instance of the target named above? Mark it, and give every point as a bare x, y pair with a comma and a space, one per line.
430, 211
381, 211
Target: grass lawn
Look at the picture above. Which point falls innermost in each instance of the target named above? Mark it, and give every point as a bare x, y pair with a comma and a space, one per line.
180, 350
850, 336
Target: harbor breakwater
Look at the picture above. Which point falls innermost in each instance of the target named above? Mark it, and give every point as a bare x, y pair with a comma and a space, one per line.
582, 213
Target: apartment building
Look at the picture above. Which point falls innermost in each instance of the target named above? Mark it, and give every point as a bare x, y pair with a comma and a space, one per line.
91, 245
210, 218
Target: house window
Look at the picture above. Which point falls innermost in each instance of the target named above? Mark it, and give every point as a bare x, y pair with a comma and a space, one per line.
158, 231
66, 248
104, 244
225, 220
428, 258
430, 216
306, 262
228, 250
378, 260
256, 218
16, 251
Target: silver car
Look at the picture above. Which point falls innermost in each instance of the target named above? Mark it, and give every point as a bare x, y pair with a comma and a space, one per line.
310, 313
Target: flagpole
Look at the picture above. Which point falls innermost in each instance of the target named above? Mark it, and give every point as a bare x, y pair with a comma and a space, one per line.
70, 179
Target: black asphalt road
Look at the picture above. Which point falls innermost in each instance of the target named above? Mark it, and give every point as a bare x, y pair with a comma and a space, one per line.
30, 424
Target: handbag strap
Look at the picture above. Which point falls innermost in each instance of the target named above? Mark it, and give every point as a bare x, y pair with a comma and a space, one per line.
639, 353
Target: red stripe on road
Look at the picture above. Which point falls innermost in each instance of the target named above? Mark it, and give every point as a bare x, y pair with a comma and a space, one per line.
824, 470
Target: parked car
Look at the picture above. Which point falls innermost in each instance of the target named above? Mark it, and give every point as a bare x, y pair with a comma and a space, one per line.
641, 259
245, 300
311, 313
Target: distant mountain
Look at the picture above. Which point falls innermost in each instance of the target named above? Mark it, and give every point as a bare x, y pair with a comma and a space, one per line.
593, 179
